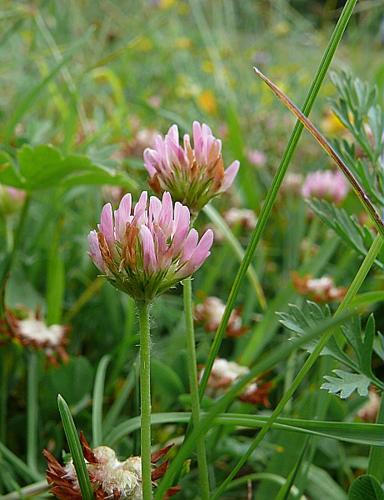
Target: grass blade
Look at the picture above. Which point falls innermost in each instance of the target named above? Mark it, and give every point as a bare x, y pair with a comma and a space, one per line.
75, 449
97, 405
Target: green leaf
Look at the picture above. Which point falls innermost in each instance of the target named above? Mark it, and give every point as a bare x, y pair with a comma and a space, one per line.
346, 226
65, 379
44, 166
345, 383
75, 449
365, 488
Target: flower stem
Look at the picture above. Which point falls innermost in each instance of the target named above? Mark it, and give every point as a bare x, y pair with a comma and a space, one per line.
352, 291
145, 398
194, 388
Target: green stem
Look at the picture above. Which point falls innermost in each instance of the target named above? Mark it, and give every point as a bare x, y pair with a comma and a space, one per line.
28, 491
274, 189
32, 410
352, 290
194, 388
145, 398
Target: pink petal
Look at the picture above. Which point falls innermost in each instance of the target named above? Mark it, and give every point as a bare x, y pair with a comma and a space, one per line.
154, 209
166, 214
106, 224
180, 226
190, 244
140, 208
94, 250
149, 255
173, 134
201, 252
149, 161
229, 175
123, 216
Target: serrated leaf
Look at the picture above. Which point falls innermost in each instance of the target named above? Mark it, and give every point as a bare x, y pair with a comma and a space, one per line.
345, 383
298, 320
365, 488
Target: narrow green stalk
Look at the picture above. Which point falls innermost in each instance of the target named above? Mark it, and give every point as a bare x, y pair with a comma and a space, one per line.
4, 395
145, 398
97, 403
32, 410
194, 388
274, 189
352, 291
376, 454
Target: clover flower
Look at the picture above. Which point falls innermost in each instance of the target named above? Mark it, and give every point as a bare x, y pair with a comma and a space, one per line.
226, 373
368, 412
193, 175
32, 331
318, 289
210, 313
146, 249
109, 477
325, 184
243, 217
256, 158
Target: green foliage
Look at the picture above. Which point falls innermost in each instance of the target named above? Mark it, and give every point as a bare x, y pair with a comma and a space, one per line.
366, 488
345, 383
44, 166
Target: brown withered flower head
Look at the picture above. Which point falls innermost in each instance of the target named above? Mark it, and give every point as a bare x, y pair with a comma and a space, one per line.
30, 330
210, 312
110, 478
320, 290
226, 373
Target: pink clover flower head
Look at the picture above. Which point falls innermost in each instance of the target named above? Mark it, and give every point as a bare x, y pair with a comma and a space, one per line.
147, 248
325, 184
193, 174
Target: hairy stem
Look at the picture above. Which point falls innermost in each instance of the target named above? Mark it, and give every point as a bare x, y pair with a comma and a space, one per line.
145, 398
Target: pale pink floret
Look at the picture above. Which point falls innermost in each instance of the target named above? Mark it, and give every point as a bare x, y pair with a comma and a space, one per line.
94, 250
325, 184
192, 173
147, 248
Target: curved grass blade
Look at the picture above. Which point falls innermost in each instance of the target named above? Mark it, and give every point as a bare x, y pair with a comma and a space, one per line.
366, 202
75, 449
18, 464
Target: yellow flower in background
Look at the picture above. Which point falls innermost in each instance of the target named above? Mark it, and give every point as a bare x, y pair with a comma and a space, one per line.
207, 102
331, 125
183, 43
207, 67
281, 28
166, 4
144, 44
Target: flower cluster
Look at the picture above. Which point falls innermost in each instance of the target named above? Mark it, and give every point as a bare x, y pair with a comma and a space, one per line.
226, 373
146, 249
210, 312
326, 184
318, 289
193, 175
33, 332
109, 477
